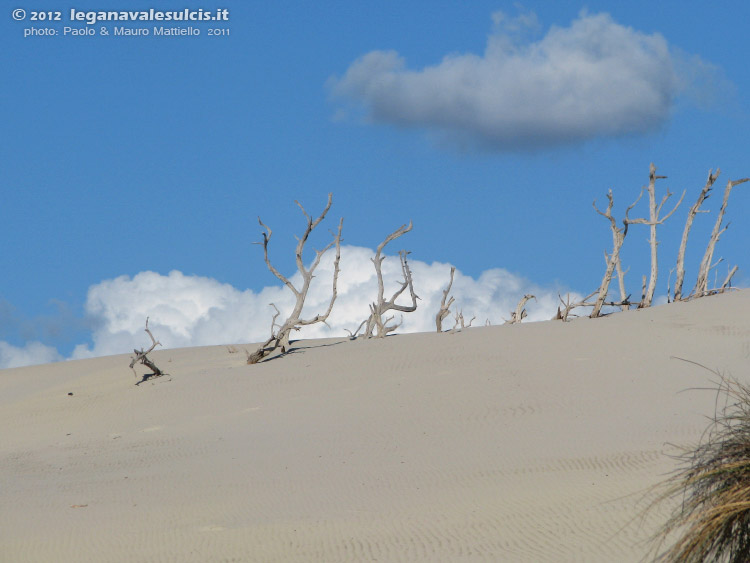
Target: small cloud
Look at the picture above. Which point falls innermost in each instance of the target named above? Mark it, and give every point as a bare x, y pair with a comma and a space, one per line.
702, 83
595, 78
517, 27
31, 353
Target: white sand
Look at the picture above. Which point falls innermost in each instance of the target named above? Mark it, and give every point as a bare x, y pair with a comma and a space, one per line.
532, 442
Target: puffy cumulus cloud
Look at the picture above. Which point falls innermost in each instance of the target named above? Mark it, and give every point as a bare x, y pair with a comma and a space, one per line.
30, 354
192, 310
183, 311
595, 78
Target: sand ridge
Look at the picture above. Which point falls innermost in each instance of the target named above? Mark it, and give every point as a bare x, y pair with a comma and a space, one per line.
532, 442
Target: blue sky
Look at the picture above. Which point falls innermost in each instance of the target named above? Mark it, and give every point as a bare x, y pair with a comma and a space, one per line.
491, 125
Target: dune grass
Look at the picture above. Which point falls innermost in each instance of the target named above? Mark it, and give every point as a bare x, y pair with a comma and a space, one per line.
711, 489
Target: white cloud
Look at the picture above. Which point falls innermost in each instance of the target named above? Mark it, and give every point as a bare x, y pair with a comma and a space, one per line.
595, 78
32, 353
192, 310
183, 311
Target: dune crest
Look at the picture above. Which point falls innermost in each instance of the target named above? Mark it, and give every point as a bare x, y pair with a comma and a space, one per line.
532, 442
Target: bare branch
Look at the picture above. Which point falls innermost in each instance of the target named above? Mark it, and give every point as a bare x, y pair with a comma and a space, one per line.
444, 310
273, 320
460, 323
460, 320
613, 259
669, 281
694, 210
701, 284
280, 338
728, 279
267, 237
567, 307
142, 357
653, 220
336, 269
520, 313
353, 335
375, 325
621, 283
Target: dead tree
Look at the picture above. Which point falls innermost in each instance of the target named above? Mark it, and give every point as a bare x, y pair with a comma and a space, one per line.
624, 303
460, 323
375, 324
728, 279
280, 337
445, 307
701, 284
652, 221
694, 210
520, 313
567, 306
612, 259
141, 357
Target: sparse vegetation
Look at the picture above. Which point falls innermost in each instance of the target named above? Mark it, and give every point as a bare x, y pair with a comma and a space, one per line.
280, 333
445, 304
379, 323
376, 325
712, 488
142, 358
614, 263
520, 313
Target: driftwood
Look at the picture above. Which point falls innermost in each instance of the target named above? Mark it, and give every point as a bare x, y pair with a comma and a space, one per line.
728, 279
460, 323
280, 333
520, 313
141, 357
375, 324
624, 303
564, 310
694, 210
701, 284
653, 220
445, 307
612, 259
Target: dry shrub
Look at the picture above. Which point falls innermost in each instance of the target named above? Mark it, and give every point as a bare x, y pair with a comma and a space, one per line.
712, 487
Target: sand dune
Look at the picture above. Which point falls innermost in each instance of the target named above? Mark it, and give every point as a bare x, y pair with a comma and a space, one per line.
534, 442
